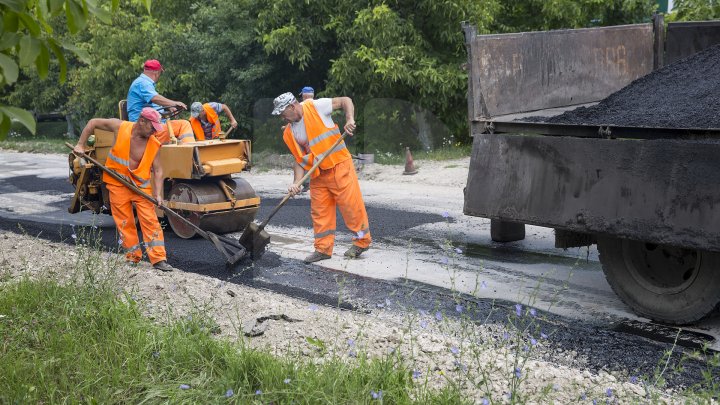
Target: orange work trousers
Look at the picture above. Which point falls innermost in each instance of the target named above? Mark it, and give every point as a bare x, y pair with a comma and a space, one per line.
122, 200
338, 187
182, 131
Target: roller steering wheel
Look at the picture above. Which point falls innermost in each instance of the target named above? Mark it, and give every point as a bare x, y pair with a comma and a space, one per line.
171, 112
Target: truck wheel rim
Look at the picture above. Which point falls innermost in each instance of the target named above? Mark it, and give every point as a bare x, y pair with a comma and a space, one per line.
661, 269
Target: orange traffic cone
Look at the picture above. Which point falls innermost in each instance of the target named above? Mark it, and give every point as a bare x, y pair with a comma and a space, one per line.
409, 165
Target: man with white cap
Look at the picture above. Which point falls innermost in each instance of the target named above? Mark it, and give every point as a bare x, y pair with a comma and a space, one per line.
205, 121
334, 185
135, 156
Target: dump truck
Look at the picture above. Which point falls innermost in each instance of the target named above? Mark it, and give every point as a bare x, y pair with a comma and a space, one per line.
646, 195
200, 184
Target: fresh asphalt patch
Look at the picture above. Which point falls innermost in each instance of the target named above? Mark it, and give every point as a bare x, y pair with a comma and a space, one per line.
599, 345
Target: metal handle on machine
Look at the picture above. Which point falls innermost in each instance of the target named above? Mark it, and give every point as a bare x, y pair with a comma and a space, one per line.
305, 177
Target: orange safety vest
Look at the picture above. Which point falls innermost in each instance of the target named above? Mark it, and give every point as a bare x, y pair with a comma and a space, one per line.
119, 159
320, 139
212, 118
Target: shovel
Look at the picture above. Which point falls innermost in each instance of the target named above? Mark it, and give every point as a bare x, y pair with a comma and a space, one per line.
254, 238
230, 248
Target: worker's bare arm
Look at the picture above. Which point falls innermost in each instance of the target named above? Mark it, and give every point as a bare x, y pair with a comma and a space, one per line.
166, 102
107, 124
229, 114
157, 180
298, 173
348, 107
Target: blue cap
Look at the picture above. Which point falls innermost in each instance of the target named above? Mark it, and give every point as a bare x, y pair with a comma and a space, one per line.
306, 90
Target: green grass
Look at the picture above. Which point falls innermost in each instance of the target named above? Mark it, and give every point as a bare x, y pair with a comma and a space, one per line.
80, 343
455, 152
36, 145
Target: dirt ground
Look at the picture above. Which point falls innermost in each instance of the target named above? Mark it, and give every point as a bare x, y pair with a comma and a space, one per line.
443, 351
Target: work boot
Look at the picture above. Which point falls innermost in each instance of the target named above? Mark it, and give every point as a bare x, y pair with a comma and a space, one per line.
355, 251
316, 257
163, 265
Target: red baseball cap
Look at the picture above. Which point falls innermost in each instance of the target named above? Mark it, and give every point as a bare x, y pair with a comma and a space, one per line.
154, 117
153, 64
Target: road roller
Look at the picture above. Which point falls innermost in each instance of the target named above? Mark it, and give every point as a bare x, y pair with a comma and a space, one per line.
199, 183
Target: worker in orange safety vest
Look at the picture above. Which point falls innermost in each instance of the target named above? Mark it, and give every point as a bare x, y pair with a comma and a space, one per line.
309, 133
134, 156
205, 120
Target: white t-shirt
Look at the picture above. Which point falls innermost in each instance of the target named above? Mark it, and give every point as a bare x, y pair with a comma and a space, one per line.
324, 108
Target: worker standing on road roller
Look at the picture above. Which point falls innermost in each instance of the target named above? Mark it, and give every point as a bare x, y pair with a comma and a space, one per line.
309, 133
142, 94
307, 93
205, 121
134, 156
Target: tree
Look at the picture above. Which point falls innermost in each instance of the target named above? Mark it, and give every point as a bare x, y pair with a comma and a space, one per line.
695, 10
28, 38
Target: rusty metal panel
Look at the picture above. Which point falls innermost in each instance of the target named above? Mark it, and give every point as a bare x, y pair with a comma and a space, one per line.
687, 38
511, 73
638, 189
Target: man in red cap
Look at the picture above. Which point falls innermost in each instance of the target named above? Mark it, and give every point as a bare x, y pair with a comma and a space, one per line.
135, 156
142, 94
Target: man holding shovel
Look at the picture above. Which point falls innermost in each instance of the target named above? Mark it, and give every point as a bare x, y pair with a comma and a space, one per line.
310, 133
135, 157
205, 121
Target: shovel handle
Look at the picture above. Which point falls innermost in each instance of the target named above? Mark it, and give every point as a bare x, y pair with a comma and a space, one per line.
305, 177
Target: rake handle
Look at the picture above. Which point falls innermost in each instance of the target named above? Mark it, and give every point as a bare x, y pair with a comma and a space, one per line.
302, 180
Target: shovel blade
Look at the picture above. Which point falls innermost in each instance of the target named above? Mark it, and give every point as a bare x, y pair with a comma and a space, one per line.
254, 240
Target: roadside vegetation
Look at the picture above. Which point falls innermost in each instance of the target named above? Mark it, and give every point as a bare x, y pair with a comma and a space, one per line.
73, 332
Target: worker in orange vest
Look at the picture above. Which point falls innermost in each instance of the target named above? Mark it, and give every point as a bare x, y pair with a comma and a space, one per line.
205, 121
309, 133
134, 156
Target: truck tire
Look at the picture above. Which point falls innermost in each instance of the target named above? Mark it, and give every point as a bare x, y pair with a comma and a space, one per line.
664, 283
506, 231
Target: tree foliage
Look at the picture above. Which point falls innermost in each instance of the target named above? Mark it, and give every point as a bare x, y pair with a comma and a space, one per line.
29, 39
695, 10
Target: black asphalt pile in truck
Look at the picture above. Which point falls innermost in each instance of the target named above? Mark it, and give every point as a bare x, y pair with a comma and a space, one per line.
685, 94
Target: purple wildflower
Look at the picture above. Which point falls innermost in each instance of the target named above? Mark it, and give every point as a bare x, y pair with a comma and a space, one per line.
423, 324
583, 396
518, 309
376, 395
438, 316
352, 354
229, 393
543, 335
360, 234
454, 350
258, 392
416, 374
518, 372
446, 214
633, 380
313, 307
533, 341
423, 312
459, 308
525, 348
609, 392
444, 260
506, 336
533, 312
184, 387
458, 251
287, 381
485, 401
351, 342
483, 285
